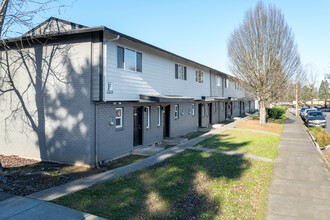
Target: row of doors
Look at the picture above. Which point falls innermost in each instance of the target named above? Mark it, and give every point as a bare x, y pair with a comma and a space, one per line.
138, 120
138, 124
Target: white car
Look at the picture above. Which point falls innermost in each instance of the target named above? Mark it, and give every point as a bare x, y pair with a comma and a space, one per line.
305, 113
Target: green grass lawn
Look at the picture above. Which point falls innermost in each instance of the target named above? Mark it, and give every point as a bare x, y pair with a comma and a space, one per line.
191, 184
243, 141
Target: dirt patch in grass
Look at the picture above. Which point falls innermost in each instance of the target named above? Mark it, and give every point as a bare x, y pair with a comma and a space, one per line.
190, 185
254, 125
24, 176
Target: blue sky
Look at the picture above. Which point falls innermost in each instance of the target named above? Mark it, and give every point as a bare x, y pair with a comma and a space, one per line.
199, 30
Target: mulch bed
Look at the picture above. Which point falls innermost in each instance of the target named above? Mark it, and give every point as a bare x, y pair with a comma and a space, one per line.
25, 176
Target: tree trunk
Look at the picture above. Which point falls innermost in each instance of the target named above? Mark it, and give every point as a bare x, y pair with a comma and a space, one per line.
262, 115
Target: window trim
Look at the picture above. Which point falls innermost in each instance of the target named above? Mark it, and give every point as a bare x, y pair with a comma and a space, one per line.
193, 109
120, 117
159, 115
176, 111
135, 60
148, 116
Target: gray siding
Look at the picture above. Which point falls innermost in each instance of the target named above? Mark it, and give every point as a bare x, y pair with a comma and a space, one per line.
97, 66
67, 122
113, 142
154, 133
186, 121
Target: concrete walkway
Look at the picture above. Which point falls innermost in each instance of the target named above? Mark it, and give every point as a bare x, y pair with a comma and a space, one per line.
300, 184
24, 208
37, 205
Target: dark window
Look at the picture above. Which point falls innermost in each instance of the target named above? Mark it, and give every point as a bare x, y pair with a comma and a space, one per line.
180, 72
176, 70
120, 57
139, 62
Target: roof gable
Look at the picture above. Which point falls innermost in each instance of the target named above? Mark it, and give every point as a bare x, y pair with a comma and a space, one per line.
53, 25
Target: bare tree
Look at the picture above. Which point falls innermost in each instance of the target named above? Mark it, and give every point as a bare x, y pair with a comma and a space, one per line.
16, 17
324, 89
311, 81
263, 54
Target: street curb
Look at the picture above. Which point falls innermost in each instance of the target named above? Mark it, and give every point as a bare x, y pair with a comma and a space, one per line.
317, 147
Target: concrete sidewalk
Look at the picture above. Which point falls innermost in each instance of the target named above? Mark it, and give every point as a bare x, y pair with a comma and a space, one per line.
300, 184
24, 208
36, 206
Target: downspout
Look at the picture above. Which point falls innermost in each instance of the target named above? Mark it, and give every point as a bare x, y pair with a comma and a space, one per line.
210, 83
102, 76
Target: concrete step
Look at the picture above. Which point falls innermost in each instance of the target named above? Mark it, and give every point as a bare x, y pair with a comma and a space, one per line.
147, 150
174, 141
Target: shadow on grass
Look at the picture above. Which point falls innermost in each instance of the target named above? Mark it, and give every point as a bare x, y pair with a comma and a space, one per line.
177, 188
223, 142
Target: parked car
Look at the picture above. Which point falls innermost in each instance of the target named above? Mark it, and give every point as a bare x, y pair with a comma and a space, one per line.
304, 116
324, 109
302, 110
316, 118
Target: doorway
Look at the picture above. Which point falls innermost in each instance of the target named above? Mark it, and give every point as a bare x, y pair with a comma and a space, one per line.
226, 109
137, 115
166, 121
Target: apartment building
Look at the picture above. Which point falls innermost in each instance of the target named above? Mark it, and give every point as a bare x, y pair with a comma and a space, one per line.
91, 94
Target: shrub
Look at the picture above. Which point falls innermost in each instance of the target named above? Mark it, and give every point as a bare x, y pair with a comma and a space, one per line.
276, 112
321, 136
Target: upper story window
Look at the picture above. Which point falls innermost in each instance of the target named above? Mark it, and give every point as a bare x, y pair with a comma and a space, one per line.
176, 112
128, 59
227, 83
238, 86
218, 81
180, 72
199, 76
119, 117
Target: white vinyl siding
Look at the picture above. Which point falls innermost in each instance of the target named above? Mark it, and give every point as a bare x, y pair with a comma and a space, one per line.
157, 78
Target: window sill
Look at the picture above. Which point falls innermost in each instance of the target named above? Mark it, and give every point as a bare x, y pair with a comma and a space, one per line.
119, 129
